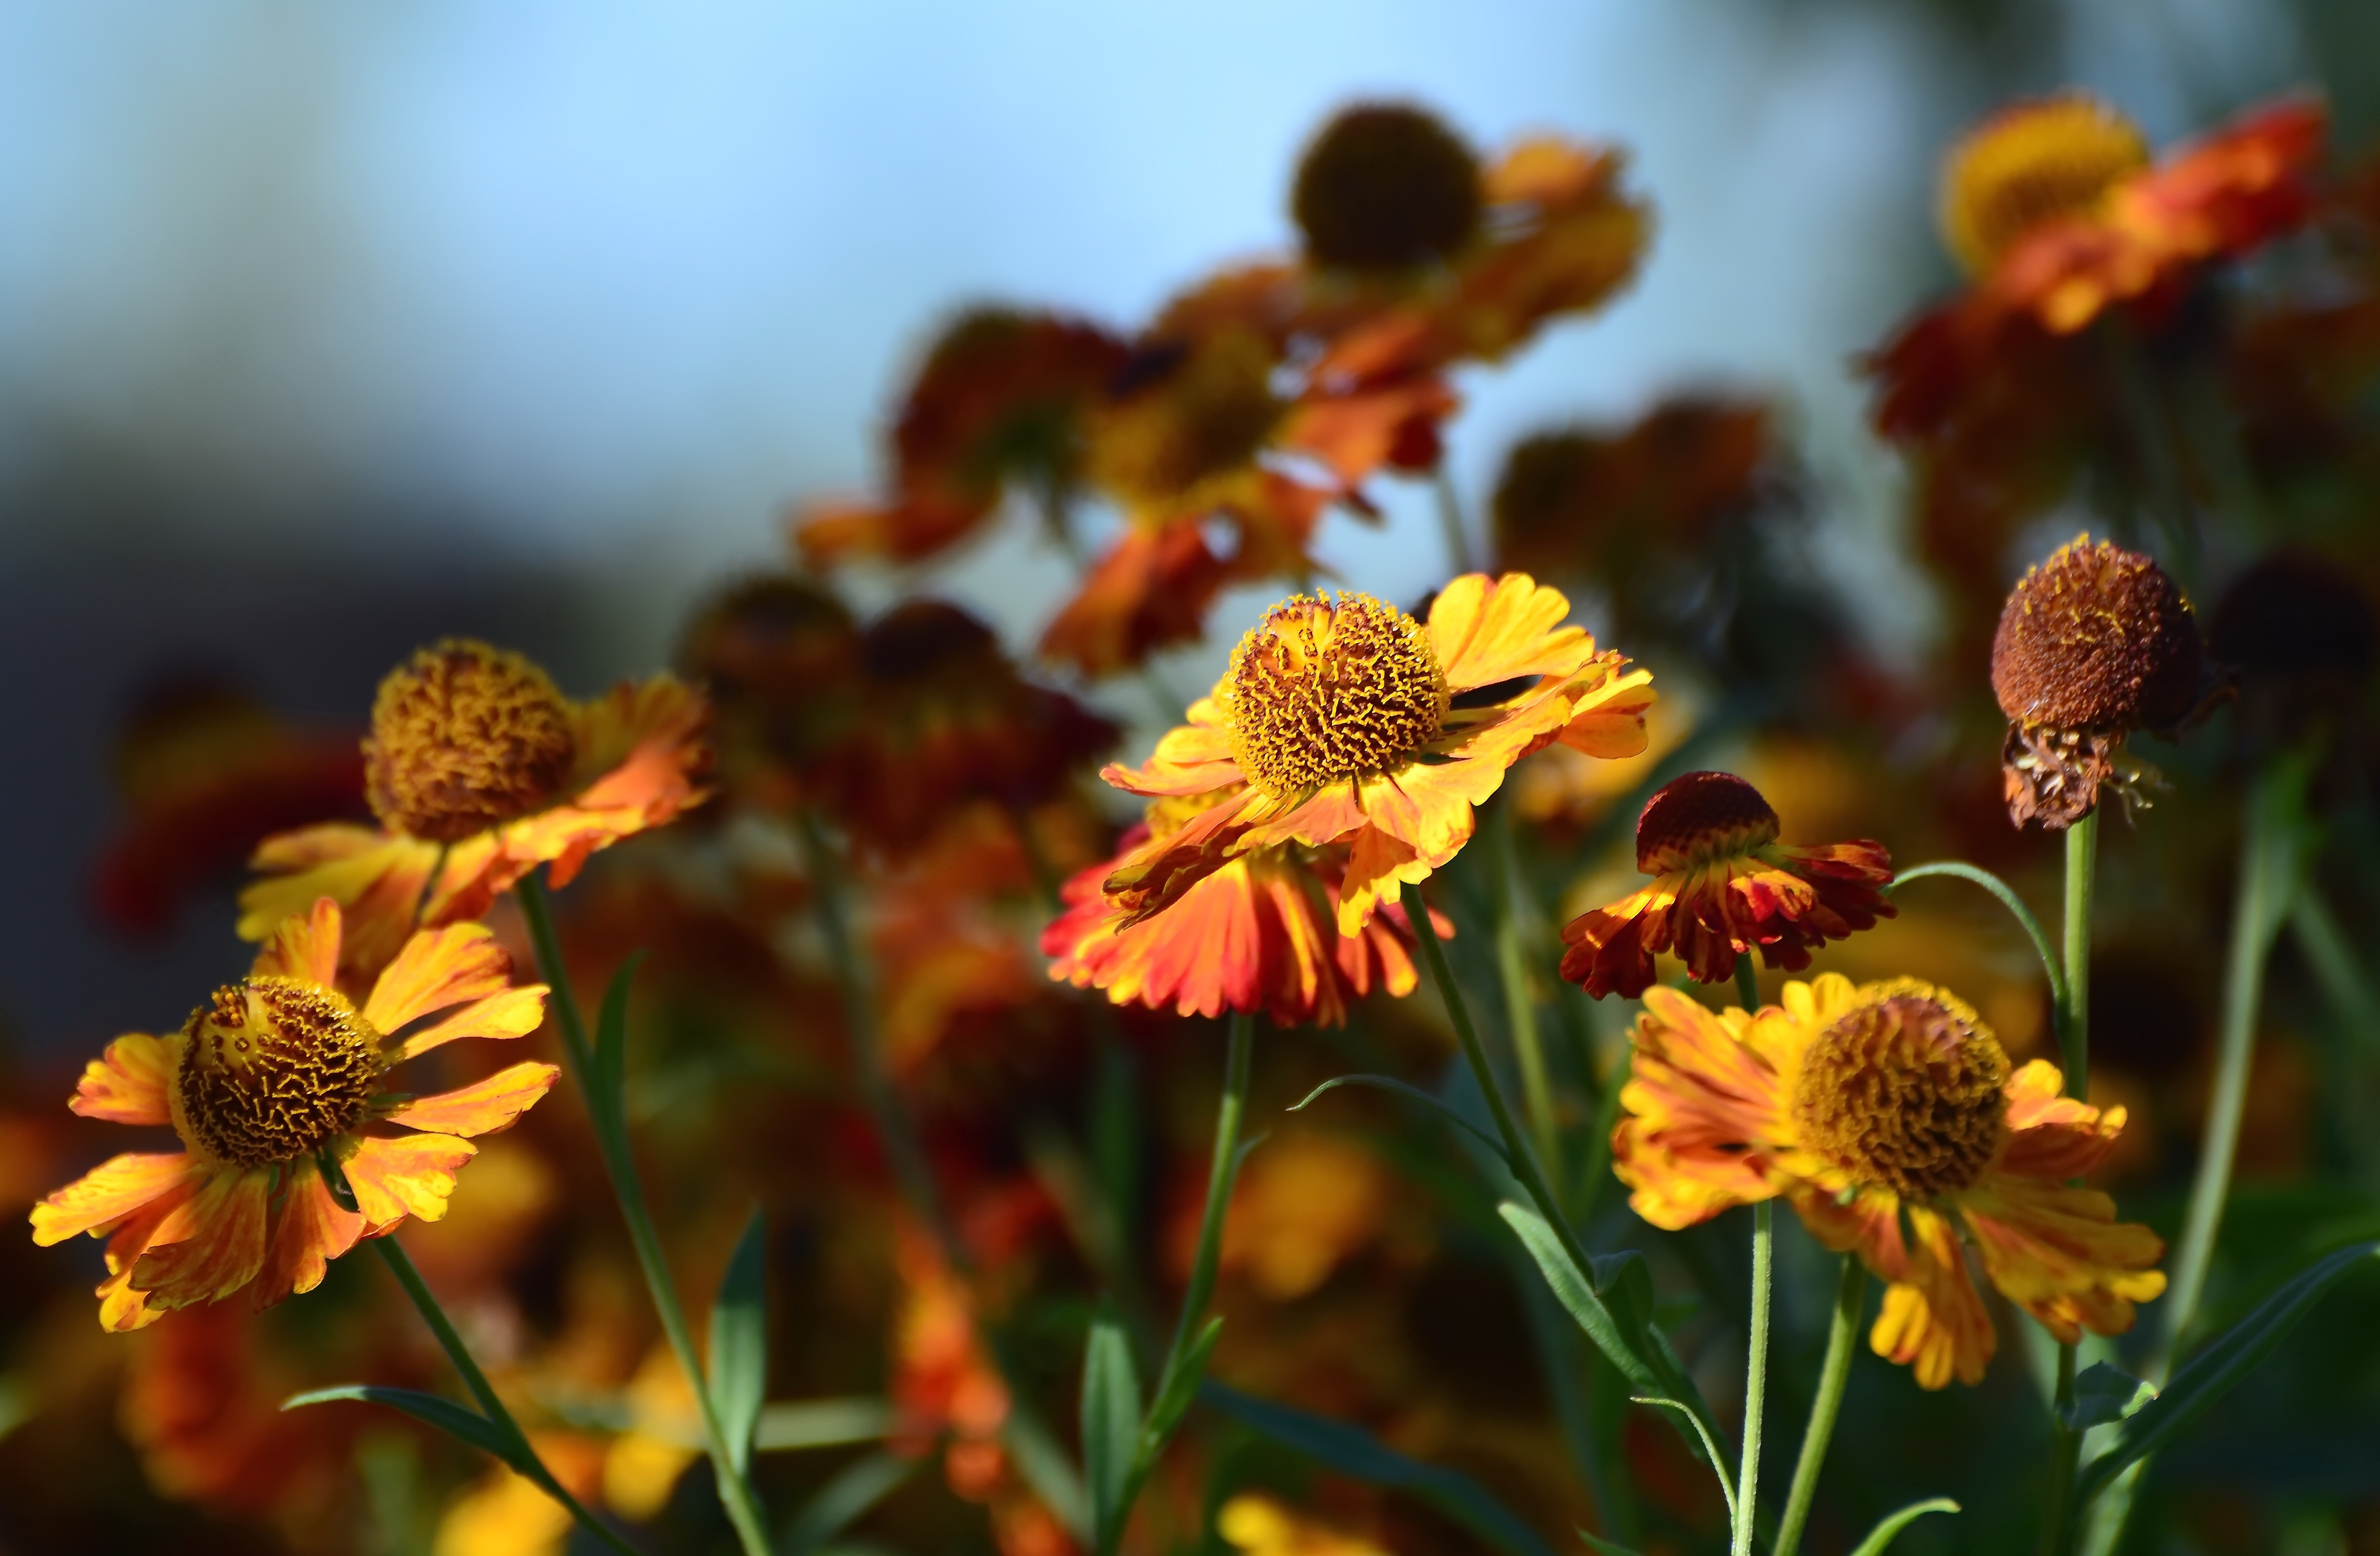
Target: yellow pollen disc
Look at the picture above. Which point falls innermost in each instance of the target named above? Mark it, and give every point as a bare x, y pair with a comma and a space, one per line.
1321, 692
273, 1068
464, 738
2033, 163
1908, 1091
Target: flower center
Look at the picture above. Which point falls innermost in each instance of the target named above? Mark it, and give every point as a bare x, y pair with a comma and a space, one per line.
1385, 186
2033, 163
2096, 637
272, 1069
1700, 817
1908, 1091
1320, 692
1190, 413
464, 738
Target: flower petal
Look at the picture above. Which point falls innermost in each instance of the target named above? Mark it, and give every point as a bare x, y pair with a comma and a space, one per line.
411, 1175
437, 968
1485, 631
108, 1193
483, 1107
222, 1248
376, 876
1701, 1105
311, 1231
128, 1084
2052, 1136
2060, 1254
303, 946
1607, 716
516, 1013
122, 1306
1933, 1322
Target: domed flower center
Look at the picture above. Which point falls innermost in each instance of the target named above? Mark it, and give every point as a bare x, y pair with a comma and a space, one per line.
1320, 692
1385, 186
1185, 414
465, 737
272, 1069
2035, 163
1702, 817
1907, 1091
2097, 638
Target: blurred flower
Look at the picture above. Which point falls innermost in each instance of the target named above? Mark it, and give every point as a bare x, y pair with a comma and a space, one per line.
207, 773
276, 1070
1384, 186
1263, 1526
1881, 1111
1723, 885
1588, 501
1307, 1203
2093, 644
2034, 162
641, 1465
479, 771
505, 1514
1351, 722
999, 402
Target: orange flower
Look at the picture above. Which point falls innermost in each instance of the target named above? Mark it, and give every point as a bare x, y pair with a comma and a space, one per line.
1723, 885
1259, 933
480, 771
276, 1072
1888, 1116
1350, 721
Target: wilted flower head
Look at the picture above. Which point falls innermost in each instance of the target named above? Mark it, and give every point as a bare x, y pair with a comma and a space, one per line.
2093, 644
1385, 187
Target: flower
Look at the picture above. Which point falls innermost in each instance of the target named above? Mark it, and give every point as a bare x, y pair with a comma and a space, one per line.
1262, 1525
479, 771
1888, 1116
1723, 885
1385, 186
2054, 158
2093, 644
273, 1075
1259, 933
1347, 720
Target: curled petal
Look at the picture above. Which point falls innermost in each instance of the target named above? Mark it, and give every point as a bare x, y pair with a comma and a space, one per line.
1933, 1321
2060, 1253
221, 1246
304, 946
128, 1084
409, 1176
310, 1231
377, 879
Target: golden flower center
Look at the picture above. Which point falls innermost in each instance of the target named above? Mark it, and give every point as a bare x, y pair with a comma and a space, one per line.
1320, 692
2035, 163
272, 1069
1908, 1091
1701, 817
464, 738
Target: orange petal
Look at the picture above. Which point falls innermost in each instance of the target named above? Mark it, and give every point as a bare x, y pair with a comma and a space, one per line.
304, 946
437, 968
376, 876
1191, 759
1932, 1322
516, 1013
109, 1192
222, 1248
1608, 718
311, 1231
407, 1176
483, 1107
127, 1085
2052, 1136
123, 1306
2060, 1253
1488, 631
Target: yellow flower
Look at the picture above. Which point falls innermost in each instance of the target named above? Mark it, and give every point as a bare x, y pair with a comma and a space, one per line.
1887, 1115
1262, 1527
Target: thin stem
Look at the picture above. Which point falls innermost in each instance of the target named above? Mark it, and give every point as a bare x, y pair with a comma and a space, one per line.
1520, 999
736, 1493
1451, 525
400, 1265
1747, 982
2075, 1026
2051, 967
1755, 1373
1850, 1292
2065, 1458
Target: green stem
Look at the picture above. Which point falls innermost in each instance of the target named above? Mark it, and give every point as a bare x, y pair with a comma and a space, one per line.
1850, 1292
736, 1493
401, 1266
1747, 983
1755, 1374
1520, 1000
2065, 1458
2051, 967
2074, 1053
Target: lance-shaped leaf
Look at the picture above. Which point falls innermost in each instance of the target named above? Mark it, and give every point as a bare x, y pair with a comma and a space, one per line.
1884, 1533
1111, 1425
1412, 1093
2103, 1394
457, 1421
738, 1363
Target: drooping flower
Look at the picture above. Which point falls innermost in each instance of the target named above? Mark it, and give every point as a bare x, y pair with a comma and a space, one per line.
1260, 933
1347, 720
1723, 887
1888, 1116
479, 771
274, 1076
2093, 644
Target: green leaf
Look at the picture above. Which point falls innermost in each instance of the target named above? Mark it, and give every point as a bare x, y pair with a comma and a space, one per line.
1710, 1454
455, 1420
2213, 1371
1639, 1350
1438, 1104
1047, 1470
738, 1363
1177, 1389
1604, 1546
1881, 1536
1110, 1424
820, 1423
607, 1085
845, 1497
2103, 1394
1355, 1452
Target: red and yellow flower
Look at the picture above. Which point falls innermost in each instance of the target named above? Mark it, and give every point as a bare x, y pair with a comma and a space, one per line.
274, 1076
1348, 721
1723, 887
480, 771
1889, 1117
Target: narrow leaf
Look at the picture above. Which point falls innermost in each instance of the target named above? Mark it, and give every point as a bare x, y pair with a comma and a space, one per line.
1710, 1454
1355, 1452
1882, 1534
607, 1085
738, 1363
1111, 1423
2103, 1394
2213, 1371
455, 1420
820, 1423
1047, 1470
1437, 1104
1177, 1389
845, 1497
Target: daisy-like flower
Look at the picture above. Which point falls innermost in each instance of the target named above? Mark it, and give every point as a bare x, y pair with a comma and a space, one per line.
2094, 643
1723, 887
1260, 933
271, 1075
1888, 1116
1347, 720
479, 771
